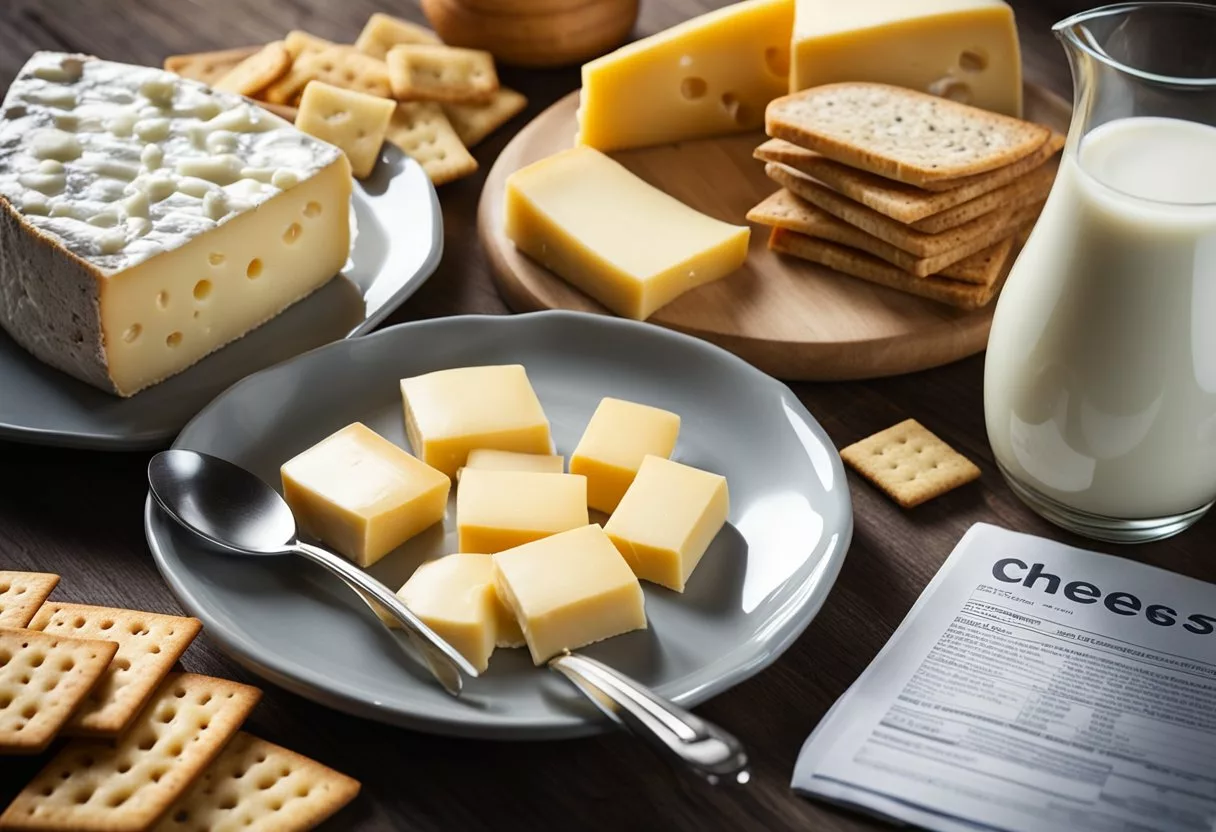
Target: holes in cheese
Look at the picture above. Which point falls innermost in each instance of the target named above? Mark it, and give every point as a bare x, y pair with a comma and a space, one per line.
777, 59
292, 233
202, 289
174, 339
693, 88
162, 299
254, 270
312, 209
215, 258
132, 333
973, 60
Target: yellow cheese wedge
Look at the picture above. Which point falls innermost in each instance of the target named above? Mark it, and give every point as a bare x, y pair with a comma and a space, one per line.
496, 510
569, 590
966, 50
451, 412
711, 75
361, 494
512, 461
667, 520
627, 244
619, 435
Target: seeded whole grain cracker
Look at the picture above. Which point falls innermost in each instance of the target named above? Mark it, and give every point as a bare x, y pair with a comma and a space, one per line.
422, 131
148, 645
857, 263
909, 464
339, 66
208, 67
984, 267
897, 200
1027, 190
473, 122
21, 594
897, 234
257, 72
447, 74
257, 786
100, 786
43, 678
899, 133
382, 32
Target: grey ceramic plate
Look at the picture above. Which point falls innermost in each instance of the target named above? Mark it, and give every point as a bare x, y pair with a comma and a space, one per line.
398, 244
758, 586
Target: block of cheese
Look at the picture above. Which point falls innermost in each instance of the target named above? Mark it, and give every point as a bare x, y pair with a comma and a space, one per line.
622, 241
363, 495
146, 220
496, 510
966, 50
619, 435
569, 590
667, 519
512, 461
708, 76
451, 412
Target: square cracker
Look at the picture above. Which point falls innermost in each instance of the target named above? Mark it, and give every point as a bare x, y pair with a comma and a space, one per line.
21, 594
339, 66
259, 786
382, 32
422, 131
899, 201
100, 786
148, 645
473, 122
857, 263
208, 67
442, 73
354, 121
298, 42
43, 678
909, 464
257, 72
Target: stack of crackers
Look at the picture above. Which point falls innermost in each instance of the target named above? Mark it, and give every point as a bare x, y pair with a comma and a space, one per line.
444, 100
908, 190
149, 747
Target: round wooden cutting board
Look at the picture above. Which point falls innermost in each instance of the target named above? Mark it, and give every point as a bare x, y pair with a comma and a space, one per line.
793, 319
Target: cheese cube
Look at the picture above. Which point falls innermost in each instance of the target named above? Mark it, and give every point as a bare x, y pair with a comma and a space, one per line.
451, 412
627, 244
619, 435
966, 50
496, 510
569, 590
710, 75
354, 121
361, 494
667, 520
147, 220
512, 461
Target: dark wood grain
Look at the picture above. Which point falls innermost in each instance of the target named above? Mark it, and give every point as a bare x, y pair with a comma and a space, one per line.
79, 513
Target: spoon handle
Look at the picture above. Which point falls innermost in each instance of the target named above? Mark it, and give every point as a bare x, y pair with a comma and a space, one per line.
678, 734
444, 661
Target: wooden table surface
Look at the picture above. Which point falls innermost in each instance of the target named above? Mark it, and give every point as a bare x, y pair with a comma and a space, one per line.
79, 513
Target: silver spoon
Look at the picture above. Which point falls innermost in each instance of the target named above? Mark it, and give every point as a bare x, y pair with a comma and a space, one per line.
239, 514
236, 512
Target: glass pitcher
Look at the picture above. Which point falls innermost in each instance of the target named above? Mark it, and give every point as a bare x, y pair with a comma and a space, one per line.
1100, 378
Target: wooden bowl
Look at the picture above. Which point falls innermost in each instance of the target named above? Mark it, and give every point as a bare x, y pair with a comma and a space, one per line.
535, 33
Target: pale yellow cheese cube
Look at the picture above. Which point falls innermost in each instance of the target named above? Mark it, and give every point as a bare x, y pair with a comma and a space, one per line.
622, 241
512, 461
455, 597
619, 435
451, 412
569, 590
354, 121
710, 75
361, 494
966, 50
496, 510
667, 520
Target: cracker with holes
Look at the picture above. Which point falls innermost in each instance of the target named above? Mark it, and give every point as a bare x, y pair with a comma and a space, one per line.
419, 72
100, 786
382, 32
258, 71
422, 131
208, 67
21, 594
148, 645
43, 678
473, 122
909, 464
259, 786
354, 121
339, 66
299, 42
